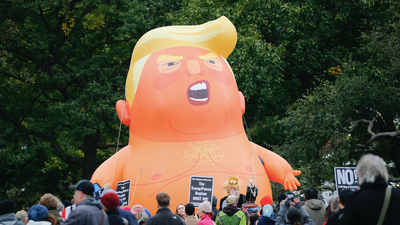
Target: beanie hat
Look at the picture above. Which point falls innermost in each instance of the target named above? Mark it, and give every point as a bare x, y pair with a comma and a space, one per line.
205, 206
281, 197
137, 208
110, 200
37, 213
21, 215
147, 212
48, 201
267, 211
293, 214
85, 186
105, 191
231, 199
6, 206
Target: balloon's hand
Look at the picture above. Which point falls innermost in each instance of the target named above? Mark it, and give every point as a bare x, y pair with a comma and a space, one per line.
290, 182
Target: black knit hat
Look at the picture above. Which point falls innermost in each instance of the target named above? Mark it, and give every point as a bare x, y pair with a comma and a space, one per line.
6, 206
85, 186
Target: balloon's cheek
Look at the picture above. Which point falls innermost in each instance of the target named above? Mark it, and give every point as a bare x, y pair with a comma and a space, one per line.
165, 80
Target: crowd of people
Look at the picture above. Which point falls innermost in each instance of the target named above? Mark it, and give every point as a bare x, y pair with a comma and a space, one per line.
374, 202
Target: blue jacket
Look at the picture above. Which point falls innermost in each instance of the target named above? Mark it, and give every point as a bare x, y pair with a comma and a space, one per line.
263, 220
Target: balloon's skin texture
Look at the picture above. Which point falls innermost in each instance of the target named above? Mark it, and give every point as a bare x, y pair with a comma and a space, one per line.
184, 113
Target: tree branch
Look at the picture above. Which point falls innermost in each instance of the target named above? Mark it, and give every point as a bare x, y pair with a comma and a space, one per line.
64, 157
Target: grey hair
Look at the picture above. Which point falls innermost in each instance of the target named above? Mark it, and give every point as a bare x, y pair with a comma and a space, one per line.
370, 167
60, 205
282, 203
334, 202
143, 217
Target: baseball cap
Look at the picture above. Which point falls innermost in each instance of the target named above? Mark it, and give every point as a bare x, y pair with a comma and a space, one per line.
83, 185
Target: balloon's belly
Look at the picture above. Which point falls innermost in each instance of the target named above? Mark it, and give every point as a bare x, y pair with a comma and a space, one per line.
169, 169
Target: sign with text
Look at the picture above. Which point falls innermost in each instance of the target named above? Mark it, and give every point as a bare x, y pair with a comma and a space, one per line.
201, 189
122, 190
345, 178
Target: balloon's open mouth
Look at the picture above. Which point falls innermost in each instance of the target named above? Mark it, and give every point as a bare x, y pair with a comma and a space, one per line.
198, 93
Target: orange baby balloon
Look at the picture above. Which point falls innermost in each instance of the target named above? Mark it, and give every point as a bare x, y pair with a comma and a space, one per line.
184, 113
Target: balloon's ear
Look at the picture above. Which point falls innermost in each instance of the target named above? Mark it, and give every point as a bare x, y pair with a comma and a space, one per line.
242, 102
122, 108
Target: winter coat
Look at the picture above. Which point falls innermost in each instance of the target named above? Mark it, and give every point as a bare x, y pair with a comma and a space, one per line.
365, 205
281, 217
31, 222
87, 212
10, 219
263, 220
334, 218
164, 216
241, 201
56, 214
316, 209
132, 220
114, 218
191, 220
206, 220
214, 208
231, 215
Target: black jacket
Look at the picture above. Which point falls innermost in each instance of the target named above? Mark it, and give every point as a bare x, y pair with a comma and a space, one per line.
164, 216
240, 202
334, 218
113, 217
365, 205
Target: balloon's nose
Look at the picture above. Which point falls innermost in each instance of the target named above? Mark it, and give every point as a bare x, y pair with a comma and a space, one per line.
193, 66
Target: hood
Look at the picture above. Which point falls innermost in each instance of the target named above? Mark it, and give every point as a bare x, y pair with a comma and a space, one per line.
214, 201
8, 218
230, 210
92, 201
315, 204
378, 185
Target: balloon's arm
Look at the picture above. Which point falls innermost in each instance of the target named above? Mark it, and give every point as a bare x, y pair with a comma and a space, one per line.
110, 171
277, 168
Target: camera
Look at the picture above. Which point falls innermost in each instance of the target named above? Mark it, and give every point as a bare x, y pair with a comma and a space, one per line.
290, 196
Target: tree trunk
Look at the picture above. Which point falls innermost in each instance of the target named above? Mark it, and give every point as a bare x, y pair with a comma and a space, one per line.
90, 163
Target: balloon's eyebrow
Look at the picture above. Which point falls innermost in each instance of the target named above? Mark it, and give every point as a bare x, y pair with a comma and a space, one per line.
168, 57
209, 55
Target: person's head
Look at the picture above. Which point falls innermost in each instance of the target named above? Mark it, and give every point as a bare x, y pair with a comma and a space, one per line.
371, 167
110, 201
232, 185
142, 217
67, 203
136, 209
267, 211
281, 197
48, 201
232, 200
162, 200
343, 196
21, 215
311, 193
180, 210
214, 201
6, 206
334, 204
205, 208
253, 218
294, 216
82, 191
189, 209
38, 213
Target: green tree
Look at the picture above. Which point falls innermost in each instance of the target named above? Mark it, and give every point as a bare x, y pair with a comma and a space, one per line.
64, 66
356, 114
